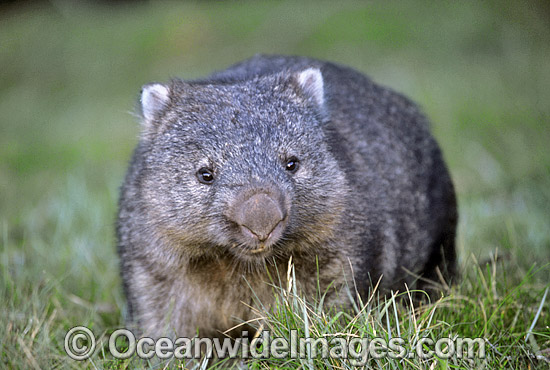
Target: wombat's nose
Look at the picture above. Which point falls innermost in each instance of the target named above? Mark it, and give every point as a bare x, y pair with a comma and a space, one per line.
260, 214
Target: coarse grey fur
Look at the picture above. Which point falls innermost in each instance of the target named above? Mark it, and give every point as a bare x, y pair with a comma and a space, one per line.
308, 159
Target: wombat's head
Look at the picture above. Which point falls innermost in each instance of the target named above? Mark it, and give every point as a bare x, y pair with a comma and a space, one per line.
240, 169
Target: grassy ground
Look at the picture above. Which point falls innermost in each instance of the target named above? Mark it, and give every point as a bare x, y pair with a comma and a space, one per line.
70, 74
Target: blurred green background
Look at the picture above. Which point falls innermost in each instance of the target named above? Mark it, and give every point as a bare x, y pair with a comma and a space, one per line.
70, 74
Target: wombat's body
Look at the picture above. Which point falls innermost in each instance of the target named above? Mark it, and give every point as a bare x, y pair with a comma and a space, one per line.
272, 158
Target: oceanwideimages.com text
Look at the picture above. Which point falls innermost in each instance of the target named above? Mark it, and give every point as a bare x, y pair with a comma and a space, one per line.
80, 344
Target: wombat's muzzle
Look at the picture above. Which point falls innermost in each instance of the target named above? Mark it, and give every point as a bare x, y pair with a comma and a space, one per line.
260, 217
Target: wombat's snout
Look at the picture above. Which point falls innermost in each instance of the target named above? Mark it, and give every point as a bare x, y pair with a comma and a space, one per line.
260, 218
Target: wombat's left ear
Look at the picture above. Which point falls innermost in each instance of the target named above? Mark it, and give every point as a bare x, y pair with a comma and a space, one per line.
154, 98
311, 83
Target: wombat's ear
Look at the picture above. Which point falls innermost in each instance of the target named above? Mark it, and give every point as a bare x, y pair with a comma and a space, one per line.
311, 83
154, 98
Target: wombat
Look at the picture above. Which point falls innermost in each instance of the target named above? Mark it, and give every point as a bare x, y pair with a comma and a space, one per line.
276, 158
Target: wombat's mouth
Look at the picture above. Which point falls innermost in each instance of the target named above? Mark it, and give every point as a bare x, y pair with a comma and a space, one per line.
262, 248
255, 243
259, 218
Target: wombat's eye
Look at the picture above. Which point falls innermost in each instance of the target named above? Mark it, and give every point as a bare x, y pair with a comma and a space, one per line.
205, 175
292, 164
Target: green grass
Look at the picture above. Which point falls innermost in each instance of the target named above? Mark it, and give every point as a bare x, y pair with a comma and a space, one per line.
69, 77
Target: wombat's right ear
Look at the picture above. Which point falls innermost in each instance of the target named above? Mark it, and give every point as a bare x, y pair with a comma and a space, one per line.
154, 98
